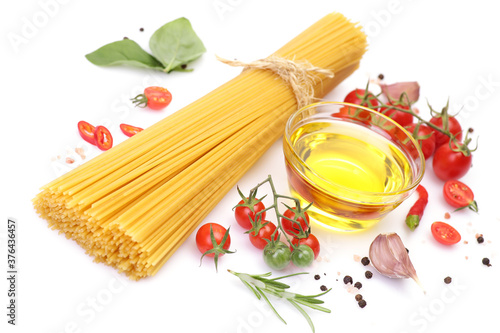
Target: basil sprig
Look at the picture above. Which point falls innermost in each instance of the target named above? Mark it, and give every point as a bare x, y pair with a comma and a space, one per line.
174, 45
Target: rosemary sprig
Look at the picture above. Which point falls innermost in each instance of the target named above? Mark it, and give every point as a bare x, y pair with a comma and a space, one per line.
261, 285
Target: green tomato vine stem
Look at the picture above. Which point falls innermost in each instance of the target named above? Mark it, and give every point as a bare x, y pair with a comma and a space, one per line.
404, 99
274, 206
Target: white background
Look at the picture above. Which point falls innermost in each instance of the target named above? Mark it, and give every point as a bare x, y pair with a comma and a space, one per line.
47, 86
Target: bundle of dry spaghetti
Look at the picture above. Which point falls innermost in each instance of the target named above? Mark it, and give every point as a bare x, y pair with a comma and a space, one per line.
134, 205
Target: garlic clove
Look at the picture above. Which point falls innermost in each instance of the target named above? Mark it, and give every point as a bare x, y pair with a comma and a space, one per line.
389, 257
394, 91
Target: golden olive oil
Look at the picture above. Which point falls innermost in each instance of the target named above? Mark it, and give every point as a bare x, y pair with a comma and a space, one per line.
348, 171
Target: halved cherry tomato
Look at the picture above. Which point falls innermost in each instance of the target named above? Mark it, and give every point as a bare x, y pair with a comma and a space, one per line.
155, 98
103, 138
86, 131
445, 233
130, 130
459, 195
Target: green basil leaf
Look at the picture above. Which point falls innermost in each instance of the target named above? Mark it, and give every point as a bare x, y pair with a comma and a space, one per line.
176, 44
123, 52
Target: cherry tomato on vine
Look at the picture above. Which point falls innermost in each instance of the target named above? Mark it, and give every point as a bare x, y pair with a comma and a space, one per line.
302, 256
358, 97
402, 118
130, 130
292, 228
103, 138
459, 195
155, 98
449, 164
277, 255
363, 98
453, 127
246, 211
265, 232
428, 145
86, 131
310, 241
445, 233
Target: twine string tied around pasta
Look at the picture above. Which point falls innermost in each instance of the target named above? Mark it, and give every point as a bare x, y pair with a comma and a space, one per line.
300, 76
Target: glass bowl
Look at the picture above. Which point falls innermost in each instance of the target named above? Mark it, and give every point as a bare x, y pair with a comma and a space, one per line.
354, 164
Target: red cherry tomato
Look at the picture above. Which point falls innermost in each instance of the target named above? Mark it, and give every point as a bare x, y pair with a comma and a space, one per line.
243, 214
130, 130
453, 127
348, 112
363, 98
427, 145
293, 228
155, 98
310, 241
204, 241
445, 233
459, 195
359, 97
103, 138
265, 232
86, 131
402, 118
448, 164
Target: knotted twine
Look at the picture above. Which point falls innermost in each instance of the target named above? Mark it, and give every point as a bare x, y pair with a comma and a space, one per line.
299, 76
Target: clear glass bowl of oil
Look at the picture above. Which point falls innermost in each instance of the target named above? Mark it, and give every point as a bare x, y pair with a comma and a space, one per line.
354, 164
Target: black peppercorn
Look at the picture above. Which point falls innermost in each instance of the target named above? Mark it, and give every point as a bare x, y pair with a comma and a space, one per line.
480, 239
381, 76
486, 262
358, 285
347, 279
362, 303
323, 288
125, 37
317, 277
365, 261
447, 280
358, 297
141, 29
368, 274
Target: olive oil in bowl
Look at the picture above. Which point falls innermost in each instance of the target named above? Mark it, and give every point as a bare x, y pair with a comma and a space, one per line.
354, 172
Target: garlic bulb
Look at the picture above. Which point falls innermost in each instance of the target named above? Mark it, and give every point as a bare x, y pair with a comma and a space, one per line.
389, 257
